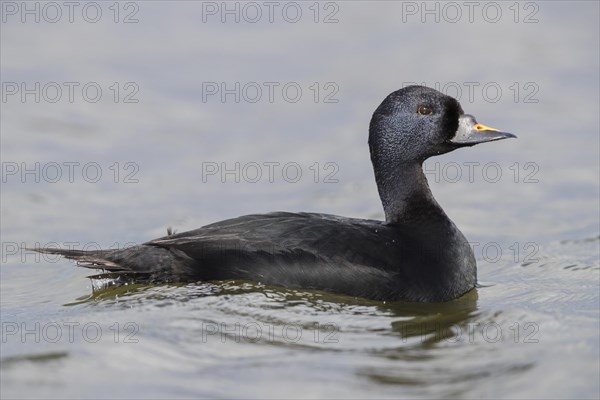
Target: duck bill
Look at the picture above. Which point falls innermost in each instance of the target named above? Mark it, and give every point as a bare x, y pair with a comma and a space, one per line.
470, 132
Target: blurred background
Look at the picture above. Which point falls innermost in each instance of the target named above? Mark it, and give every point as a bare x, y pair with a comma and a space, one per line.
119, 119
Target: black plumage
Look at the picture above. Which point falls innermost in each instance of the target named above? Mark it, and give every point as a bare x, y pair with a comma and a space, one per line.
416, 254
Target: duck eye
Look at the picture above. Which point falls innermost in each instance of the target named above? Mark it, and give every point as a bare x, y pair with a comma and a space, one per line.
424, 110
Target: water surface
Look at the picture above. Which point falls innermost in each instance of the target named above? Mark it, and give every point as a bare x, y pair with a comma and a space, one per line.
529, 206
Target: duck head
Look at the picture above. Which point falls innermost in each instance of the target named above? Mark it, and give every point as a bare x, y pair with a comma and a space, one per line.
416, 122
411, 125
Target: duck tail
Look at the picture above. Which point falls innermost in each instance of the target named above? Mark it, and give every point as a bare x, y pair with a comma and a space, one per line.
111, 272
96, 259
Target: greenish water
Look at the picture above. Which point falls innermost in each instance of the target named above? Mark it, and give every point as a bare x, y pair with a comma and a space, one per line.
524, 335
529, 206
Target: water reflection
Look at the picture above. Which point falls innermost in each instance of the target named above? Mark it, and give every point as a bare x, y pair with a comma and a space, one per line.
434, 322
228, 301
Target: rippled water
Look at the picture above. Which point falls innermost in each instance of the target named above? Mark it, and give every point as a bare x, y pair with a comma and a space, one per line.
530, 330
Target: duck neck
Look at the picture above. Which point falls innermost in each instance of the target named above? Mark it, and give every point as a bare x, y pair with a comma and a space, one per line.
405, 194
